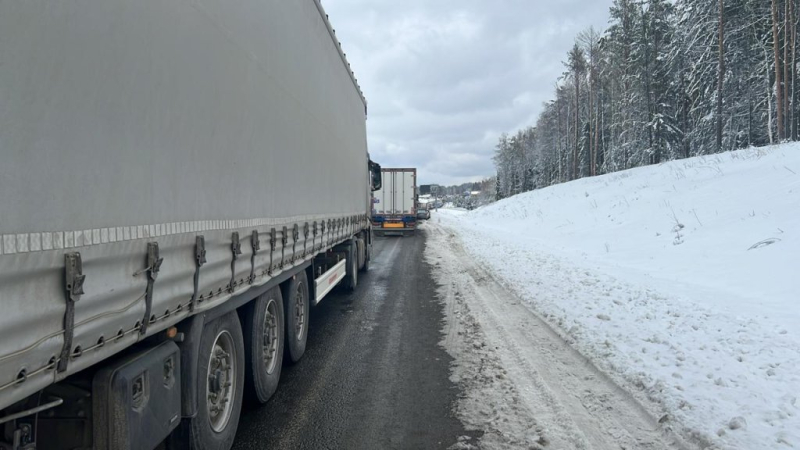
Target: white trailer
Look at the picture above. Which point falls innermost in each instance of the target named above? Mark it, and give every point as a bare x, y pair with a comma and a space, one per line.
177, 179
394, 208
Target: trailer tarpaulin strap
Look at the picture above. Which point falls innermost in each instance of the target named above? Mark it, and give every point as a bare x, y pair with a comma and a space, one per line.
256, 247
153, 266
305, 239
236, 250
295, 237
284, 240
200, 259
273, 238
74, 279
314, 240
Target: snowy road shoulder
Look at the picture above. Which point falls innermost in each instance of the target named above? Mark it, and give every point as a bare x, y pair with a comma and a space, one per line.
524, 386
698, 320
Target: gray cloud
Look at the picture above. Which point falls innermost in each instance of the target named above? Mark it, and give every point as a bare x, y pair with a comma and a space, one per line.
445, 78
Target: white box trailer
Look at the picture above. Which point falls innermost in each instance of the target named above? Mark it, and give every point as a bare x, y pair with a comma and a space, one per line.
168, 171
394, 208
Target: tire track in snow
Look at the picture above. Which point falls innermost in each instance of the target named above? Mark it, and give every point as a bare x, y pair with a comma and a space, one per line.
525, 386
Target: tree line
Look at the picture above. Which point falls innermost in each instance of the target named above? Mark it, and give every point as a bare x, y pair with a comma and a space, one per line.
484, 186
665, 80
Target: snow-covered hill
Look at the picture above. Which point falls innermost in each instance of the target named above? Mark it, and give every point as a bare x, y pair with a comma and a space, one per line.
681, 280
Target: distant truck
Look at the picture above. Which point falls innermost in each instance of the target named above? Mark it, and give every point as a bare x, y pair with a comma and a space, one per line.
394, 206
180, 182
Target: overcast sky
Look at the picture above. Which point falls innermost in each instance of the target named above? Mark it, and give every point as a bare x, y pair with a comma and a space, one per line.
444, 78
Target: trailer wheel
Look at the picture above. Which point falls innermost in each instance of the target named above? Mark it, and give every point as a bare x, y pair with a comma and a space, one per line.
352, 267
367, 256
296, 307
220, 385
263, 325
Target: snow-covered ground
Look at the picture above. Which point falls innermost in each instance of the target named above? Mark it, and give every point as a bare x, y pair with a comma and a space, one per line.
680, 281
524, 386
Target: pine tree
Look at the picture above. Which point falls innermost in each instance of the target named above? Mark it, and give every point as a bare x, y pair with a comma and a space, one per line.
577, 65
721, 71
667, 79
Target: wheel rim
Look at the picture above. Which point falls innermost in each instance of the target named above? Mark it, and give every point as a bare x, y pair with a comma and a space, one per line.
270, 337
221, 381
300, 312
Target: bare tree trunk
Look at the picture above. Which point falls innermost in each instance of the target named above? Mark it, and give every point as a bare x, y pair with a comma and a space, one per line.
656, 103
685, 147
596, 138
794, 69
591, 111
621, 127
558, 135
749, 121
768, 82
778, 86
786, 107
721, 72
577, 128
601, 124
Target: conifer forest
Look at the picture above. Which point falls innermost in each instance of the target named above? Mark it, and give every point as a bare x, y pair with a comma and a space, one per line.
665, 80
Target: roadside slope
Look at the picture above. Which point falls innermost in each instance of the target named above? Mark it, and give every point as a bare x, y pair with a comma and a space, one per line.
678, 281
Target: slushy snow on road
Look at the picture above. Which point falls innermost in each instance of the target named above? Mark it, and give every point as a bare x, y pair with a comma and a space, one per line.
679, 282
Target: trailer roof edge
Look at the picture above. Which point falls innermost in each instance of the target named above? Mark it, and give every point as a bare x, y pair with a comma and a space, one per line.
338, 46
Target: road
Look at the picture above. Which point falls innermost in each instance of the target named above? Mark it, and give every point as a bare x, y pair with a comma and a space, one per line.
431, 341
374, 375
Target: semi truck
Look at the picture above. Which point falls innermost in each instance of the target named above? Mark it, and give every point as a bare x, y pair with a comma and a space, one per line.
180, 182
394, 210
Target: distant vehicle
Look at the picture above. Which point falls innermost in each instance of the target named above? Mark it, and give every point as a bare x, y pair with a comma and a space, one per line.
423, 214
394, 205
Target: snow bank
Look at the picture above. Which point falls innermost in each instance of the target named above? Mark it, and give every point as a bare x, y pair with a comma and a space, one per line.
680, 280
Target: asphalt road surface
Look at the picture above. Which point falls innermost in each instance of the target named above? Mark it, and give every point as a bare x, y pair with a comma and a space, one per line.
374, 375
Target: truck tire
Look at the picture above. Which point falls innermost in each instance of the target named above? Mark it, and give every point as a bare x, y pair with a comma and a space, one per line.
263, 325
367, 257
220, 385
351, 281
296, 306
